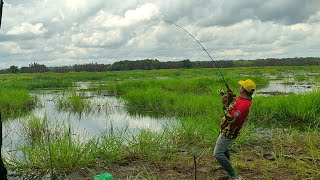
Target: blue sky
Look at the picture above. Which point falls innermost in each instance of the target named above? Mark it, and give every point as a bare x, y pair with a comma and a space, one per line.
67, 32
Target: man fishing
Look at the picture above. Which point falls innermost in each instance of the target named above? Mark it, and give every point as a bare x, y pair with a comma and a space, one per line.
236, 111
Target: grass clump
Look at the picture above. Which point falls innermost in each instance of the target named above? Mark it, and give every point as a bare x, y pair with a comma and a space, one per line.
34, 129
151, 146
300, 77
15, 103
317, 78
74, 102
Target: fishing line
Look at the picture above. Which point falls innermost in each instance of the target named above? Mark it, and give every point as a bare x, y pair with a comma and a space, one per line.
216, 65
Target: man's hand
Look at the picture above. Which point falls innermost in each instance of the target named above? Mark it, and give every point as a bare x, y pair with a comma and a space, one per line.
225, 100
229, 92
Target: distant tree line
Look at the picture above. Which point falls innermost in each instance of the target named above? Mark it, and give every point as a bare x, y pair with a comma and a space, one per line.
149, 64
92, 67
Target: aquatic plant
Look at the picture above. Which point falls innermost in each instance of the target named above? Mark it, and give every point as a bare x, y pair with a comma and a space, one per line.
75, 102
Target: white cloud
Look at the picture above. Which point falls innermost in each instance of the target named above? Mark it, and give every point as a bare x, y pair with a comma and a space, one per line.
11, 47
28, 28
76, 4
143, 13
97, 39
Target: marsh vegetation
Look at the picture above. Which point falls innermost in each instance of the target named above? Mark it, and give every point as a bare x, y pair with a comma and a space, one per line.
151, 119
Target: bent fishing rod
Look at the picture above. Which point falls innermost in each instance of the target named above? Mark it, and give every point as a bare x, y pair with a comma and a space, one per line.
1, 7
216, 65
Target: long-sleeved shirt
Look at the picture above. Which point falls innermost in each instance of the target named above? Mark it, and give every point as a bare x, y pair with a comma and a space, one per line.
235, 116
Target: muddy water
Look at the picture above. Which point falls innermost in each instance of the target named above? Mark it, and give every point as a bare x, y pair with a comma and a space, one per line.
106, 114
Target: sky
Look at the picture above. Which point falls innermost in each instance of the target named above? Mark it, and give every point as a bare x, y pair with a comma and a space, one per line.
68, 32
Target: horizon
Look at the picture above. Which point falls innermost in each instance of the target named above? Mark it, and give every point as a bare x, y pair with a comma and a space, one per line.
86, 63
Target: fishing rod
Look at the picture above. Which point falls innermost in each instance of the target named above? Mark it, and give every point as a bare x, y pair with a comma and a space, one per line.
216, 65
1, 7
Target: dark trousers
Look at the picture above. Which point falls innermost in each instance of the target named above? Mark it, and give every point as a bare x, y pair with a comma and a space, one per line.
3, 171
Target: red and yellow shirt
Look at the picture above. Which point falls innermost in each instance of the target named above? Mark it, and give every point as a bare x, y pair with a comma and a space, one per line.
235, 116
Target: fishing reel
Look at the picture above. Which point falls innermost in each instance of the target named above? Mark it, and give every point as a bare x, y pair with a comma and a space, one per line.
221, 92
229, 94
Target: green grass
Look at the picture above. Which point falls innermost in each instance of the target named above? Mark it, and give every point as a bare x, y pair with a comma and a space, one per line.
280, 76
15, 103
317, 78
176, 96
151, 146
68, 152
34, 81
300, 77
34, 129
289, 110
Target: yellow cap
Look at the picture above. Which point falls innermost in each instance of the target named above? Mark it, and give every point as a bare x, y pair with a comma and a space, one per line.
248, 85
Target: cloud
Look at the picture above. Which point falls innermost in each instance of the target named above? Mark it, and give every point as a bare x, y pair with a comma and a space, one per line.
26, 28
228, 12
64, 32
131, 17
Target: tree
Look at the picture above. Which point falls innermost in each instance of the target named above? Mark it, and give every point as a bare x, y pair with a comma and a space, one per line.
13, 69
186, 64
34, 68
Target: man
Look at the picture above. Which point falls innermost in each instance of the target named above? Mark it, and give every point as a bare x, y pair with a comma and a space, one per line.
236, 111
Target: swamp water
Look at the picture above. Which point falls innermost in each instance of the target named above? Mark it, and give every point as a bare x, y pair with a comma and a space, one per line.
289, 86
106, 114
279, 87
